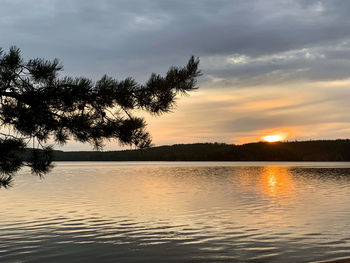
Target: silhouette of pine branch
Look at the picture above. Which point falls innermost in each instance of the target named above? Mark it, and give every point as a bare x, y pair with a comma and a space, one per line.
38, 104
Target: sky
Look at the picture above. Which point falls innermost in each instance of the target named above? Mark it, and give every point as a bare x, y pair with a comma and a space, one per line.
269, 66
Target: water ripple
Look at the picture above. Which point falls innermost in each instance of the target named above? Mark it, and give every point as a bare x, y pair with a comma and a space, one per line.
178, 213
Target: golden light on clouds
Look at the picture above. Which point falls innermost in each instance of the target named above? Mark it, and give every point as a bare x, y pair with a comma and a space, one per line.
294, 111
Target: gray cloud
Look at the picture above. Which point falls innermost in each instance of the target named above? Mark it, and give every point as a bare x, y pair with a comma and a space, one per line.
158, 33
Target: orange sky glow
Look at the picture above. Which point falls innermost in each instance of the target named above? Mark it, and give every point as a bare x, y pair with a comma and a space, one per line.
293, 111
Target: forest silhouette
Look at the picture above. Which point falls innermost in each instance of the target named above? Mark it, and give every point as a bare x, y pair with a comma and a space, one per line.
318, 150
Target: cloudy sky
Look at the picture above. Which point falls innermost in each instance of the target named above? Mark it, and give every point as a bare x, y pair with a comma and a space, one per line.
269, 66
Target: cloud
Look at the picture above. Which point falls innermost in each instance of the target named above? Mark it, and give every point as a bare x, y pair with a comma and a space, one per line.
252, 48
80, 31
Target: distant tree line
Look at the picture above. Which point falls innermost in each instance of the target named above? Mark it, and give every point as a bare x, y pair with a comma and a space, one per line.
325, 150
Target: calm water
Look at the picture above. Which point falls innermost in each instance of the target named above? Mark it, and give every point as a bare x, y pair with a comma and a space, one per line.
178, 212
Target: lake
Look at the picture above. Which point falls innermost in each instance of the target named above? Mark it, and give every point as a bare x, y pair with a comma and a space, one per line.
178, 212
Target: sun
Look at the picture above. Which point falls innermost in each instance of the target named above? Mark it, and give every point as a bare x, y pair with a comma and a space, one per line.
274, 137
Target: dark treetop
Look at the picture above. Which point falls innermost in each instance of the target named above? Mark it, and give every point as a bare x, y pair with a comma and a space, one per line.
320, 150
36, 104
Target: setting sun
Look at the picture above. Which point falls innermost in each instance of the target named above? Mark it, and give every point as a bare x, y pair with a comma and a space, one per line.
274, 137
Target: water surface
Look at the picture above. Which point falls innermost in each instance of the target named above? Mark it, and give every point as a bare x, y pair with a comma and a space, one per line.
178, 212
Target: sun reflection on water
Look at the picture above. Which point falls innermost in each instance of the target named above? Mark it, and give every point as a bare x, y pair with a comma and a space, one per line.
277, 182
250, 211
